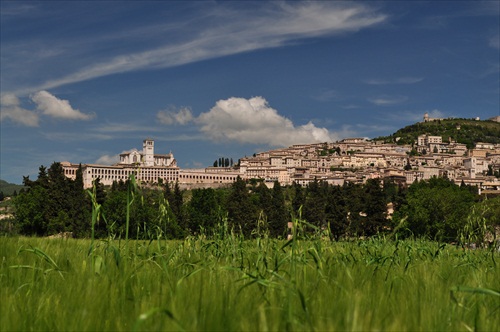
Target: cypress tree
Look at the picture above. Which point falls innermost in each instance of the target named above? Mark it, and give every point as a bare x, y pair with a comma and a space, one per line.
80, 203
202, 210
242, 214
315, 204
278, 216
375, 207
298, 198
264, 202
59, 207
336, 212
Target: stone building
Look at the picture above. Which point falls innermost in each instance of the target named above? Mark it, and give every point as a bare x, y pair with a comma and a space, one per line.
145, 165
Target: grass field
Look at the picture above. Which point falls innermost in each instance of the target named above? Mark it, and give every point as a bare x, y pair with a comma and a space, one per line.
232, 284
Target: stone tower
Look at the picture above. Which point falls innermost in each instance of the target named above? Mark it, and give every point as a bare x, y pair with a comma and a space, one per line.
148, 150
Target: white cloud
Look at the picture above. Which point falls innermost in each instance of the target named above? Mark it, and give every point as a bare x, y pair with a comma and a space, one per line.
223, 31
172, 116
10, 109
108, 159
254, 121
57, 108
388, 100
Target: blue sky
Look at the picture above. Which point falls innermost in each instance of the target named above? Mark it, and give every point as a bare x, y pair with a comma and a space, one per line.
85, 81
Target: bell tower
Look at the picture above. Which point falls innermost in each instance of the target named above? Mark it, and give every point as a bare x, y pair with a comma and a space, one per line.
148, 150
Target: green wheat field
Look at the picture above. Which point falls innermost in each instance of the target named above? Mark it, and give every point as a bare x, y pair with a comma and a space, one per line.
246, 285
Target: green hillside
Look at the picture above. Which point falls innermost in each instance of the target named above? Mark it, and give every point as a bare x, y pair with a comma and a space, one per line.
9, 188
466, 131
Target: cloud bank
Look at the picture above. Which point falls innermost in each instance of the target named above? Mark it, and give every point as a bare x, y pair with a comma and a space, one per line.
249, 121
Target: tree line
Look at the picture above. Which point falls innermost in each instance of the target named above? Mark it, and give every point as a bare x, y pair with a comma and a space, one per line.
436, 209
223, 162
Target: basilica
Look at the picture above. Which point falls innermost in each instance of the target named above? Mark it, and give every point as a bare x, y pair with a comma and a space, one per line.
150, 168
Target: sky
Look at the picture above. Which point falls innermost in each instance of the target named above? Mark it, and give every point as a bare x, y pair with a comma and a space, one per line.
83, 81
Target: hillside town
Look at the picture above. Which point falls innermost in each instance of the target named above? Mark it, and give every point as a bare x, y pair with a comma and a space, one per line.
353, 160
358, 159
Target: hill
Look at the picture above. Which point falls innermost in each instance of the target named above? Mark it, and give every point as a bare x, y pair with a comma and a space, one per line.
9, 188
466, 131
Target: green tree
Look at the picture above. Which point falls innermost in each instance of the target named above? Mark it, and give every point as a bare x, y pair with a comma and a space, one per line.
177, 205
59, 207
336, 212
482, 223
204, 210
315, 204
436, 209
375, 208
175, 201
353, 193
279, 216
262, 199
298, 197
114, 210
30, 211
80, 206
242, 214
52, 203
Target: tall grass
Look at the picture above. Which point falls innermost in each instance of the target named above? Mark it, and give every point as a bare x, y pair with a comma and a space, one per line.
220, 281
232, 284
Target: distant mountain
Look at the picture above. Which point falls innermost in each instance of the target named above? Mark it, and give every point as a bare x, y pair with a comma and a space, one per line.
9, 188
466, 131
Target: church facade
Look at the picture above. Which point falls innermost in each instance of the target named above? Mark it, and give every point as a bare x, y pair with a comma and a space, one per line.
145, 165
150, 168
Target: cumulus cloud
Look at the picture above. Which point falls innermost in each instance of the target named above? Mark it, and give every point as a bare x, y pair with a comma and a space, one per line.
52, 106
10, 109
172, 116
254, 121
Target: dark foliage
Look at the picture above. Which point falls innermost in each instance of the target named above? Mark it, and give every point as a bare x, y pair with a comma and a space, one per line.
52, 203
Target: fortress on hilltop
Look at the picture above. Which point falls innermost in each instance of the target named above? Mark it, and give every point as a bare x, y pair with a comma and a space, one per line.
429, 119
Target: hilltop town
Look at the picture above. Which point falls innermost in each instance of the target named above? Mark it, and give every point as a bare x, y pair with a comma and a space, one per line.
352, 160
